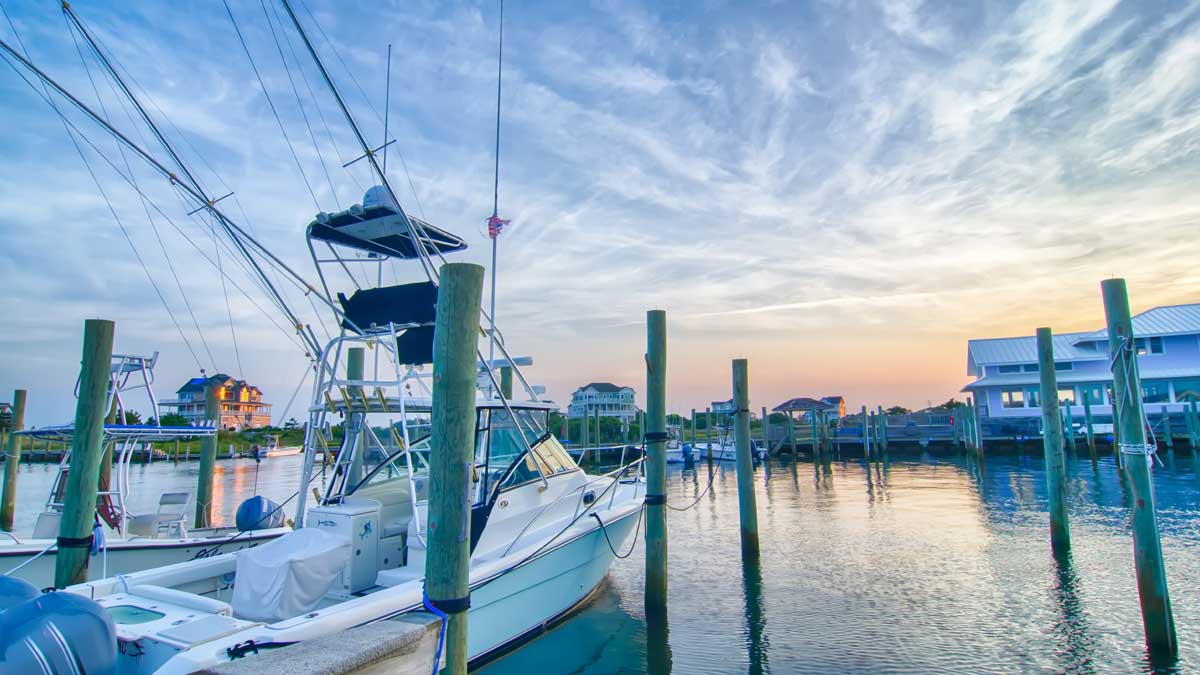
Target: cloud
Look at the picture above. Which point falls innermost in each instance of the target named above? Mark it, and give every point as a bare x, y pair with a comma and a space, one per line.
875, 182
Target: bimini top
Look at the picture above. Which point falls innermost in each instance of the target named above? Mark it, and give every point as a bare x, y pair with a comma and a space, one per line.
376, 226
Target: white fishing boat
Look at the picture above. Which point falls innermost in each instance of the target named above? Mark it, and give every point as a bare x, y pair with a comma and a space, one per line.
124, 541
678, 452
722, 447
543, 532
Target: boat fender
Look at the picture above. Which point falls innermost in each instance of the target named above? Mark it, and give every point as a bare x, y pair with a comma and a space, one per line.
58, 633
259, 513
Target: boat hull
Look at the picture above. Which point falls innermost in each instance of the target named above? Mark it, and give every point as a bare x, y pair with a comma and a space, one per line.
544, 590
125, 556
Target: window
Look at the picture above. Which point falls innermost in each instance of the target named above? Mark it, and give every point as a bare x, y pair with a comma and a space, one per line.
1187, 390
1155, 392
1030, 367
1033, 396
1008, 369
1066, 395
1152, 345
1064, 365
1094, 393
1012, 398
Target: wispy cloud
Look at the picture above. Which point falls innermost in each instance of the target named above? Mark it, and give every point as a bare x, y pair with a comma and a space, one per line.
872, 182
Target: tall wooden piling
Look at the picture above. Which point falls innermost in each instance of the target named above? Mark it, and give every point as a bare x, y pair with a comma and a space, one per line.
208, 456
1168, 440
1052, 444
708, 435
1194, 436
656, 463
1157, 618
1087, 420
452, 440
596, 415
12, 461
506, 382
87, 444
584, 436
791, 434
693, 425
747, 506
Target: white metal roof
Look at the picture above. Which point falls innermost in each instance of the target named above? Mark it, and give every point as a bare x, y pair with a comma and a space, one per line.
999, 351
1169, 320
1070, 377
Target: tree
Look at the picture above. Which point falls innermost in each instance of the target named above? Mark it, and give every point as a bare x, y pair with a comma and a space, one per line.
948, 405
174, 420
897, 410
291, 424
131, 417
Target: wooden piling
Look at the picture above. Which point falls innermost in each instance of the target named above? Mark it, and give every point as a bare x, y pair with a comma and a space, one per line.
596, 415
452, 442
708, 435
883, 435
1194, 436
1087, 420
1166, 420
584, 437
1068, 425
693, 423
12, 461
766, 431
791, 434
747, 507
656, 463
1157, 618
866, 433
816, 449
208, 457
1052, 444
506, 382
87, 445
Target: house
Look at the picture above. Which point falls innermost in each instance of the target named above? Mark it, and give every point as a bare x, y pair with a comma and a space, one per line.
1006, 381
722, 407
611, 400
830, 407
241, 403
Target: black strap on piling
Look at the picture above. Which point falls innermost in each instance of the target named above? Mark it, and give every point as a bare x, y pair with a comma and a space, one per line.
75, 542
656, 500
655, 436
452, 605
741, 410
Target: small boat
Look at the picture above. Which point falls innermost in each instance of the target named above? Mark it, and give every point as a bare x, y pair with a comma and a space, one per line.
678, 452
125, 542
724, 449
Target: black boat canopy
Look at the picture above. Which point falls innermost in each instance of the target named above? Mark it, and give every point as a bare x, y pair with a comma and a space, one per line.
377, 227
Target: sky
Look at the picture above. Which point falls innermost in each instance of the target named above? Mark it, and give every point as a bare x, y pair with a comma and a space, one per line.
843, 192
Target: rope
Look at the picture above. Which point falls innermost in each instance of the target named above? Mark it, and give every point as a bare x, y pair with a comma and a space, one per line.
271, 103
225, 292
437, 655
35, 557
711, 475
638, 529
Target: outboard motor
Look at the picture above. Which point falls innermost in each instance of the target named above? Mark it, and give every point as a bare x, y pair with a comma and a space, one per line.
53, 633
259, 513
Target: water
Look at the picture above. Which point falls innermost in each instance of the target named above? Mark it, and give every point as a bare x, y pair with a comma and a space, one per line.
276, 478
930, 565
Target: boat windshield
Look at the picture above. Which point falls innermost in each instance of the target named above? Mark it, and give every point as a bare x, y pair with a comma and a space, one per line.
395, 465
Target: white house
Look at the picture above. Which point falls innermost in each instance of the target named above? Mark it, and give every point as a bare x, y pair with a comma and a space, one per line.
1168, 344
610, 399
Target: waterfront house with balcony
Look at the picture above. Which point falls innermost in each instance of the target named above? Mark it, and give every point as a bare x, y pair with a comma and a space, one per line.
1006, 384
610, 399
242, 406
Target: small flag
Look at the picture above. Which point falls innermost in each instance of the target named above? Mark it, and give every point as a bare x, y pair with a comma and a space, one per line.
495, 225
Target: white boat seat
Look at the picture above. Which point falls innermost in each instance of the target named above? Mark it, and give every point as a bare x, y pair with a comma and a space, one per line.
181, 599
170, 519
47, 524
399, 575
288, 577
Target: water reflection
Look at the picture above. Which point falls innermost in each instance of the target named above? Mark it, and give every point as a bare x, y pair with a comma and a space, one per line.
1075, 640
756, 641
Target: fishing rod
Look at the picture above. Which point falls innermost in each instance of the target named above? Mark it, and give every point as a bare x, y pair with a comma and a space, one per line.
244, 239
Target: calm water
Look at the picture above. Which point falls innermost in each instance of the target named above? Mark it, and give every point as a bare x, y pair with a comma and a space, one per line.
930, 565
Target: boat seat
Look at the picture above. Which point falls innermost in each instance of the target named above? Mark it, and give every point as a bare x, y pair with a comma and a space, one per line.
181, 599
399, 575
170, 519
